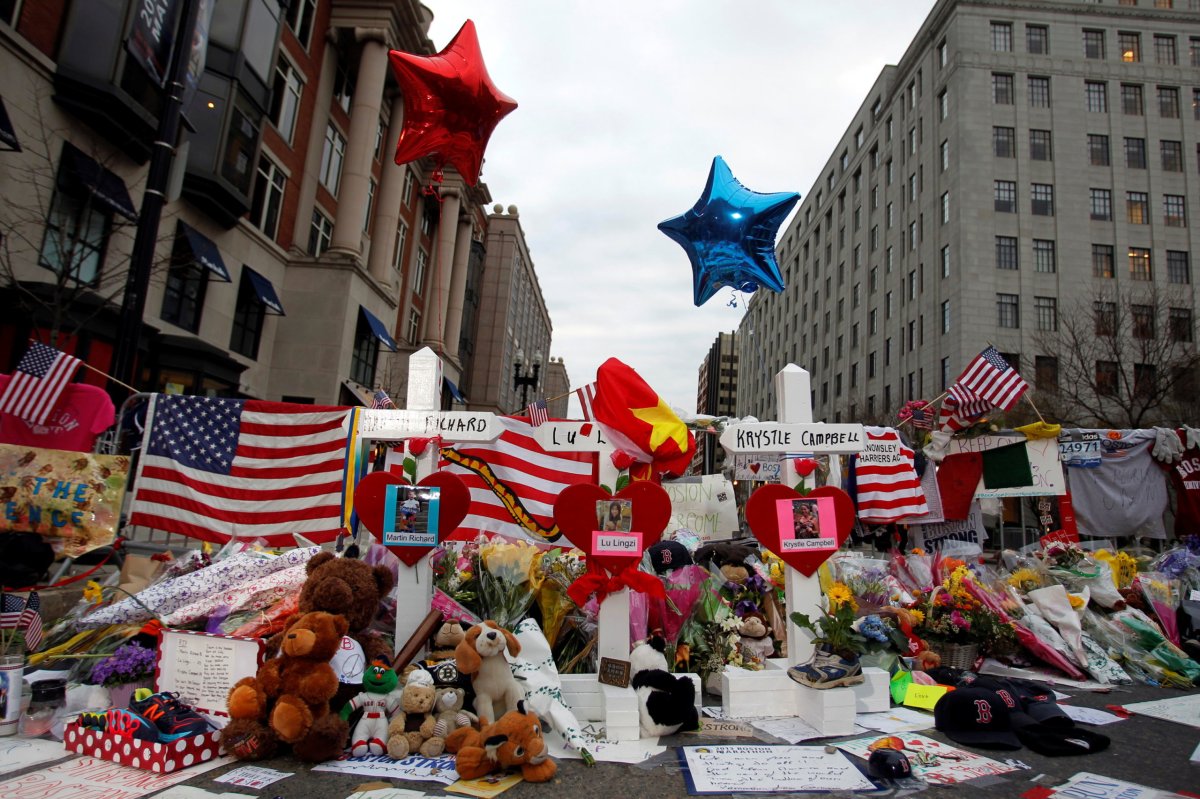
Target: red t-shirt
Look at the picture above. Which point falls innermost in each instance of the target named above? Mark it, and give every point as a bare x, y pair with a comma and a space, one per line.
1185, 476
82, 413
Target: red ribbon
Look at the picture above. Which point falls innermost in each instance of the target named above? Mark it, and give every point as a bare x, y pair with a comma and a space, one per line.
602, 585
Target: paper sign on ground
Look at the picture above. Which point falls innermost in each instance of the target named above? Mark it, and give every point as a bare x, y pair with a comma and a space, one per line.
606, 751
935, 761
896, 720
91, 776
385, 793
192, 792
1095, 786
995, 668
486, 787
1181, 709
414, 767
714, 712
1089, 715
19, 753
769, 769
252, 776
791, 729
924, 696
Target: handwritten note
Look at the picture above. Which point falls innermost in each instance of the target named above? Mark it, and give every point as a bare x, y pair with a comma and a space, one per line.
769, 769
924, 696
934, 761
1180, 709
1090, 715
202, 668
19, 753
1095, 786
252, 776
90, 776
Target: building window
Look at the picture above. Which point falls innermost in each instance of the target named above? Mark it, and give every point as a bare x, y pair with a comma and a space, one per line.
248, 318
1145, 379
1196, 104
1006, 252
945, 374
1131, 100
300, 16
183, 297
1044, 259
331, 159
1130, 46
413, 333
1002, 37
1174, 210
1042, 195
1102, 260
1194, 50
1039, 92
320, 234
371, 187
398, 249
945, 316
943, 104
1172, 155
941, 57
946, 261
1168, 102
1037, 39
1137, 208
1164, 49
1040, 148
1006, 196
946, 207
1106, 378
1098, 149
410, 183
1004, 142
285, 98
1095, 94
887, 305
1047, 313
1180, 325
76, 235
1140, 266
365, 354
1106, 318
871, 364
1002, 89
1008, 310
1135, 153
1045, 369
1101, 200
1093, 44
1179, 268
912, 235
268, 197
873, 321
418, 281
1142, 317
944, 154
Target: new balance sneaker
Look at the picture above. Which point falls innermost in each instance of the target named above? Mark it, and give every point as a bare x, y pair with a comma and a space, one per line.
125, 722
827, 670
172, 718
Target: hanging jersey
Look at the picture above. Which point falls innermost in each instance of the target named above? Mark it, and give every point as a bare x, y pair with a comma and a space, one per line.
1185, 477
888, 487
1126, 494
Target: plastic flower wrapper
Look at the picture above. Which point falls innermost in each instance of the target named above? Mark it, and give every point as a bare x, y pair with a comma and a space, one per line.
914, 571
455, 565
266, 622
866, 578
1177, 668
505, 588
552, 572
1061, 609
1042, 641
944, 566
1162, 596
685, 588
1182, 564
1122, 565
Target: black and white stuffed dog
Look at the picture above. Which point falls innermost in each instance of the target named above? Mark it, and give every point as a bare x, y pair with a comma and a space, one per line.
666, 703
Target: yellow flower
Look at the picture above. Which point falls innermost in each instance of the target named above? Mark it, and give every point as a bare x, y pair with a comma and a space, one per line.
917, 551
92, 592
1076, 602
917, 616
840, 595
1024, 579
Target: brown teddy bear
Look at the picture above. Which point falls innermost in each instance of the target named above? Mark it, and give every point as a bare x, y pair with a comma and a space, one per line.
449, 710
728, 557
287, 701
515, 741
445, 640
411, 730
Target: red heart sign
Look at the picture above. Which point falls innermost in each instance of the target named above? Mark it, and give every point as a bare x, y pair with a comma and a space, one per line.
370, 496
763, 517
575, 514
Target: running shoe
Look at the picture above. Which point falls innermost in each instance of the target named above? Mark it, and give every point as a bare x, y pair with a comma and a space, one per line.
128, 724
827, 670
172, 718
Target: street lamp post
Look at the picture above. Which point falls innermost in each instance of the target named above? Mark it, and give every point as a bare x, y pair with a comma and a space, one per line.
525, 381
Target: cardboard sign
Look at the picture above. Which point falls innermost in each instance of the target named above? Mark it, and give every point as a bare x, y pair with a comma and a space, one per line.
969, 530
617, 545
71, 498
410, 516
614, 672
924, 696
807, 525
704, 505
754, 466
203, 667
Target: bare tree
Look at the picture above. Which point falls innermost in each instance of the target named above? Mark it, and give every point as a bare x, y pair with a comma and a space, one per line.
1122, 359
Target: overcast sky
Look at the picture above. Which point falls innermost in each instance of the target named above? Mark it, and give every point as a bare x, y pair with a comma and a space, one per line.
622, 106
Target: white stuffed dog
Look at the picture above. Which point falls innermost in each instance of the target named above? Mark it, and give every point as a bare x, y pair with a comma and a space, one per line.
481, 654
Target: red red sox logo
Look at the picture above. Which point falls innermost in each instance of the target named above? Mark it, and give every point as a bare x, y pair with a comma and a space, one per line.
983, 711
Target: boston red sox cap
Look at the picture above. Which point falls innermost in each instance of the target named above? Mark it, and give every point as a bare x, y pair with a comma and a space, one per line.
976, 717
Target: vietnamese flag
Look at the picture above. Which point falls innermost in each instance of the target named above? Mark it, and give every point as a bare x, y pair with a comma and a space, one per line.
638, 422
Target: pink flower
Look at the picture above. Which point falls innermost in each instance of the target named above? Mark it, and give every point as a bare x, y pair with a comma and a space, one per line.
958, 620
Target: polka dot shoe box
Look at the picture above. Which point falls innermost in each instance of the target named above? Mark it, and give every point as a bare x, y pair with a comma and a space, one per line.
148, 755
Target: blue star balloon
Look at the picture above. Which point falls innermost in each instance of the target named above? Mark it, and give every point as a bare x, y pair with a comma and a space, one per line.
729, 235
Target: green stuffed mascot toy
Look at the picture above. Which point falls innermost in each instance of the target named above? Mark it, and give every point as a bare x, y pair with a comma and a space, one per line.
378, 700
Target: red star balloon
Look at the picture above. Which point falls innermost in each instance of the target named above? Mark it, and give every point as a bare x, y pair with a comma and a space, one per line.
451, 105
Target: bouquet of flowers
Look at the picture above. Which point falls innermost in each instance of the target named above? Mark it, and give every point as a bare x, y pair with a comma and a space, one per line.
834, 630
553, 571
955, 614
505, 587
129, 663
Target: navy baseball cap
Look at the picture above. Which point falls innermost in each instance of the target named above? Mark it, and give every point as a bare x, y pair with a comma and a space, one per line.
975, 717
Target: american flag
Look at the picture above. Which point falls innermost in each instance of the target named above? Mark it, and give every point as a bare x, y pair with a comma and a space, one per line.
216, 468
10, 613
952, 417
381, 399
38, 382
585, 396
921, 419
990, 378
513, 482
538, 415
967, 402
31, 621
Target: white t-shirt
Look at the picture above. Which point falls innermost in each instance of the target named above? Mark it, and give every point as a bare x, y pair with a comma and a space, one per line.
1126, 494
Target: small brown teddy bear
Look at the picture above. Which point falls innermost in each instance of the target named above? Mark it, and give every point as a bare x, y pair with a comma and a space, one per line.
448, 636
449, 711
411, 730
728, 557
515, 741
288, 700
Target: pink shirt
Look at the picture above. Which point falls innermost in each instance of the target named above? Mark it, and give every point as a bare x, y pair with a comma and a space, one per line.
83, 412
